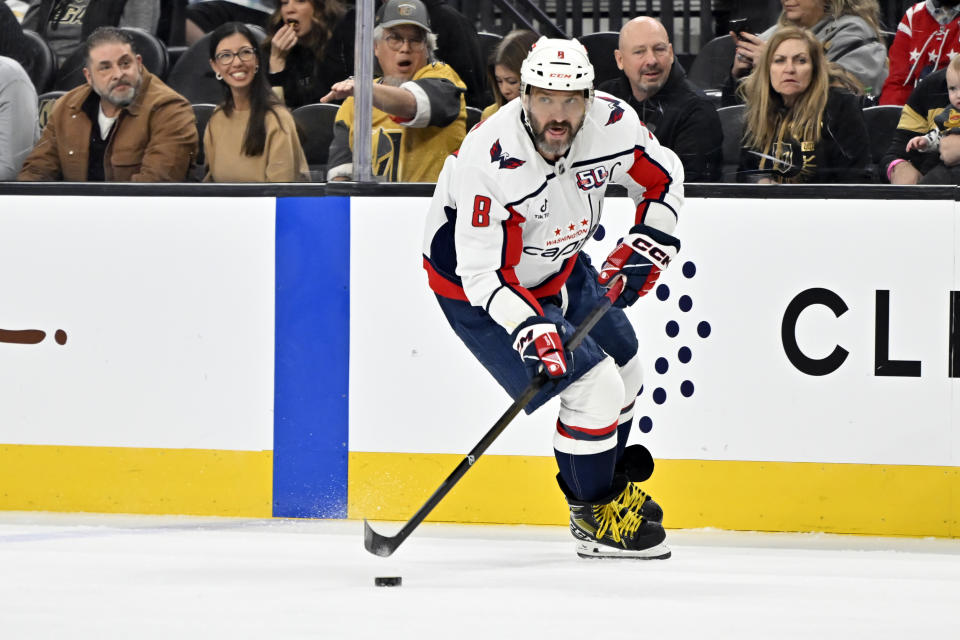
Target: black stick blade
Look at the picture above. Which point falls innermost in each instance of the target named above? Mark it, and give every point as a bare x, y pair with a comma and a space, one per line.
377, 544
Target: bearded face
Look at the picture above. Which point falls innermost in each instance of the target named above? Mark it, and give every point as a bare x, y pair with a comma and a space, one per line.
555, 118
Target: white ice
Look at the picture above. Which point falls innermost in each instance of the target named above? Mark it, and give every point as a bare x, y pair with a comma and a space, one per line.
101, 576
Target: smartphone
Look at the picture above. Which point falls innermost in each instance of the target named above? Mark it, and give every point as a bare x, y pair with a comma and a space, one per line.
739, 25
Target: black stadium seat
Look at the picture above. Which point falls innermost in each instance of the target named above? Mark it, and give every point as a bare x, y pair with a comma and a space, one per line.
711, 67
473, 117
488, 42
202, 113
315, 124
41, 63
881, 124
192, 76
600, 47
149, 46
731, 121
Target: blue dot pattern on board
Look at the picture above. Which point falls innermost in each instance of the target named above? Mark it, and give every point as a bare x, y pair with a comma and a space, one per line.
686, 388
673, 329
684, 355
686, 303
599, 233
663, 292
689, 269
659, 395
645, 424
661, 365
703, 329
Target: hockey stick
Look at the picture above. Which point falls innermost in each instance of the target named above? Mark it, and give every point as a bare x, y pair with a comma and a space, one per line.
385, 545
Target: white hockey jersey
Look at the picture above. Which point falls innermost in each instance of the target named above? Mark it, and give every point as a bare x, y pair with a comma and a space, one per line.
505, 225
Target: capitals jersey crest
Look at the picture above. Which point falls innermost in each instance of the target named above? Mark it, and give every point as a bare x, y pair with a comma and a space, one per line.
616, 111
506, 162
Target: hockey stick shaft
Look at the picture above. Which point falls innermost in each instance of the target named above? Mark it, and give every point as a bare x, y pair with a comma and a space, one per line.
385, 545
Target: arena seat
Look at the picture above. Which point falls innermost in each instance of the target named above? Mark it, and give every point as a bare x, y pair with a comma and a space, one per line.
315, 124
711, 67
731, 121
881, 122
149, 46
488, 42
600, 47
42, 61
473, 117
202, 113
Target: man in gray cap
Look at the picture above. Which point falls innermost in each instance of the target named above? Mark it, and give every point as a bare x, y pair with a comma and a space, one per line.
419, 113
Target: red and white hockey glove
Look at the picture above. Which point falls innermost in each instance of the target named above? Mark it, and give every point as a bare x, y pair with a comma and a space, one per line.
640, 257
538, 343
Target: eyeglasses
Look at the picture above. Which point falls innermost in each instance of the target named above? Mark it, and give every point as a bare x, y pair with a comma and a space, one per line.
395, 42
226, 57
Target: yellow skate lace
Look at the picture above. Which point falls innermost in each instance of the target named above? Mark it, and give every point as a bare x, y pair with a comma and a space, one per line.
621, 516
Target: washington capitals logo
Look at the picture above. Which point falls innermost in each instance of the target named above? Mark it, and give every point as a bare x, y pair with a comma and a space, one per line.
616, 111
506, 162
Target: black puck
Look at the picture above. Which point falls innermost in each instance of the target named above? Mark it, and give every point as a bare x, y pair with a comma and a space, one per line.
383, 581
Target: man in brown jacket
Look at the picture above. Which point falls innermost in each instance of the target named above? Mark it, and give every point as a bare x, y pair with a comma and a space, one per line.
123, 125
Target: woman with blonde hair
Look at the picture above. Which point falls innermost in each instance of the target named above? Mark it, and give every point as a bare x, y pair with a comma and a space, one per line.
849, 31
797, 128
504, 67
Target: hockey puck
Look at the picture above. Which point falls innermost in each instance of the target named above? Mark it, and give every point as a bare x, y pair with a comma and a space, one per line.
383, 581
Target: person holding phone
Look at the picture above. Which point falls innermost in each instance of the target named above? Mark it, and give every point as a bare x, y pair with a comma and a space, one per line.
848, 29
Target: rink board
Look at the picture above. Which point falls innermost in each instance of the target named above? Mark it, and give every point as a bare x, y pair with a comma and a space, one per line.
257, 356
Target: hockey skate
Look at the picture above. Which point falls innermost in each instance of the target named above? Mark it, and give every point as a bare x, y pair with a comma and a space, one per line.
637, 464
614, 526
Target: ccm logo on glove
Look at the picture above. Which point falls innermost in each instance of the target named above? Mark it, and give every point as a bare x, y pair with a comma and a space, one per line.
537, 342
639, 257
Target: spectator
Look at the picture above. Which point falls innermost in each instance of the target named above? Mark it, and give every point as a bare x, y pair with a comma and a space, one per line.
300, 70
504, 67
250, 137
123, 125
932, 112
848, 29
457, 45
19, 128
796, 127
419, 115
926, 40
13, 44
203, 16
66, 24
674, 110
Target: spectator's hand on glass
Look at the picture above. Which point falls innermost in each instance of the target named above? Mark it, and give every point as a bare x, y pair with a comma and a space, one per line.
283, 41
749, 50
919, 143
340, 90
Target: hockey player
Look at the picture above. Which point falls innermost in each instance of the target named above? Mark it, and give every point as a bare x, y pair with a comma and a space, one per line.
509, 217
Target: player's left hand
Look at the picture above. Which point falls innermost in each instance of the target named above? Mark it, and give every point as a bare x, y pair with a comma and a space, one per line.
640, 257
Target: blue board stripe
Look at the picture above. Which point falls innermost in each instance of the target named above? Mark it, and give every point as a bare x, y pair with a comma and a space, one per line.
312, 357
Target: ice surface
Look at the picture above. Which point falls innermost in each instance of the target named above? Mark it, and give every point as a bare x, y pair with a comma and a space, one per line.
99, 576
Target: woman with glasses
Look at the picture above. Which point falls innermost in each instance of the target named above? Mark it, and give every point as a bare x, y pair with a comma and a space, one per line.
302, 67
250, 137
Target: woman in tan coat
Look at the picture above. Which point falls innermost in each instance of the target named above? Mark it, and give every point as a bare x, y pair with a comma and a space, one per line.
251, 137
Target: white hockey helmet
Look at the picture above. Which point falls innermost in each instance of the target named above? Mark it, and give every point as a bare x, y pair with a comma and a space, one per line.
557, 64
560, 65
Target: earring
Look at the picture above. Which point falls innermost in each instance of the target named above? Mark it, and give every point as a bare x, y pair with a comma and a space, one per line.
218, 76
256, 69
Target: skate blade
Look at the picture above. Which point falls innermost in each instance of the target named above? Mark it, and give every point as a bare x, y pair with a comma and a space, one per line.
592, 550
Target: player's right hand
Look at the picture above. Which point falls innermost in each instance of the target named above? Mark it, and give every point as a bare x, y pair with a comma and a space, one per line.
639, 257
538, 343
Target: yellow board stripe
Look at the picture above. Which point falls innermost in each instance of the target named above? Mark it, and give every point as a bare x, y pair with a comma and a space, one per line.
755, 496
135, 480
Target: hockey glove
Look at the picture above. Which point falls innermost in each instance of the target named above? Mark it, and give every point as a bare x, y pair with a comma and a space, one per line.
538, 343
639, 257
